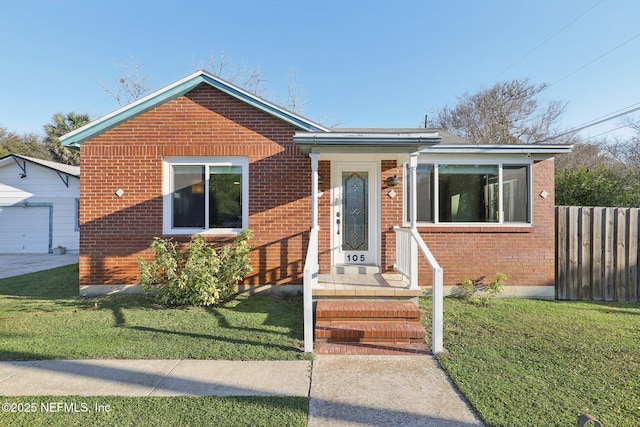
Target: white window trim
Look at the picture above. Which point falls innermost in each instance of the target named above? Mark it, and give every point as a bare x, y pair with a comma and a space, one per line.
440, 160
167, 192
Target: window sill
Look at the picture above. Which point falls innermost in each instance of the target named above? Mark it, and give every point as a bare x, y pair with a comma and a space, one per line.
475, 228
212, 232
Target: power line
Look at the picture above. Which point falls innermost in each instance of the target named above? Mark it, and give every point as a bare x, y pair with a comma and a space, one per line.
594, 60
578, 129
609, 114
593, 123
606, 132
547, 40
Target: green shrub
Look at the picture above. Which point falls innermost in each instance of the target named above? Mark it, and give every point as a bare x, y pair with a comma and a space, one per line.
484, 293
492, 289
468, 288
201, 276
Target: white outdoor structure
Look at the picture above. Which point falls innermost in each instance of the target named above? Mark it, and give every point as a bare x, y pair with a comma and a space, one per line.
39, 203
409, 243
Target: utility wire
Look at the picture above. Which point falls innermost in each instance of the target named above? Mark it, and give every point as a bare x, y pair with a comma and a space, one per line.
546, 40
593, 60
591, 123
613, 112
606, 132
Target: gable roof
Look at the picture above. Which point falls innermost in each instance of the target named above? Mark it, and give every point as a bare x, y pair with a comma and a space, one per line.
179, 88
55, 166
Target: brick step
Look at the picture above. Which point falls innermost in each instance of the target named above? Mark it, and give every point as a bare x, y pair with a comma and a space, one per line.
369, 327
370, 332
366, 310
412, 349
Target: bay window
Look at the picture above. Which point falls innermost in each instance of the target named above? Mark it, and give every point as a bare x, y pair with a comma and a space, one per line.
205, 195
471, 193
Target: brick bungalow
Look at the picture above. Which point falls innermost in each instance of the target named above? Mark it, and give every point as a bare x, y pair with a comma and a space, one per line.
336, 201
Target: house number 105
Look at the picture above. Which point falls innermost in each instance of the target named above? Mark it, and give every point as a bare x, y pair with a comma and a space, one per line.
355, 258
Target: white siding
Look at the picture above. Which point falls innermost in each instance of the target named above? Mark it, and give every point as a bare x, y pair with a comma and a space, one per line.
43, 186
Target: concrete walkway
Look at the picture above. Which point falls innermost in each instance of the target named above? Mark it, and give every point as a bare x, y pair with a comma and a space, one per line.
343, 390
384, 391
18, 264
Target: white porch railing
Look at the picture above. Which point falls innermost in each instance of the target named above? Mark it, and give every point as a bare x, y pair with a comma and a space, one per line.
408, 241
310, 281
403, 252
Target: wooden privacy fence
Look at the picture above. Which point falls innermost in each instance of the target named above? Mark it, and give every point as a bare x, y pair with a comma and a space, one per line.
597, 253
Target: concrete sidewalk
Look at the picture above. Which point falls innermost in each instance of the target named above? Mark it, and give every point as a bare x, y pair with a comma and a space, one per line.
343, 390
18, 264
154, 378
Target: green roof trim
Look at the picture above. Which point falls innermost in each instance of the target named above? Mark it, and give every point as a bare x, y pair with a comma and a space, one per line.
175, 90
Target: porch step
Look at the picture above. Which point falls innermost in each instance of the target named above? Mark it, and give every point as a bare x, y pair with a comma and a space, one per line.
370, 332
369, 327
356, 349
355, 269
341, 311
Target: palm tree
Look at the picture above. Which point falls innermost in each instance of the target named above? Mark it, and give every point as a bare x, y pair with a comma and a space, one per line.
61, 125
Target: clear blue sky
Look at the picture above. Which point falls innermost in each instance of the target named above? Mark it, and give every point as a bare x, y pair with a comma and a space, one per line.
358, 63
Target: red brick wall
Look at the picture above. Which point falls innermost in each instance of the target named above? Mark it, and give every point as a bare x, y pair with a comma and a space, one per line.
115, 231
324, 217
391, 208
525, 255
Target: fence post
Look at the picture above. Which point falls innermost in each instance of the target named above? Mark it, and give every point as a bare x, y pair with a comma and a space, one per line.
561, 252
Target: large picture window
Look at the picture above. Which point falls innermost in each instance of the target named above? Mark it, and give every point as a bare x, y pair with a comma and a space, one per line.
205, 195
471, 193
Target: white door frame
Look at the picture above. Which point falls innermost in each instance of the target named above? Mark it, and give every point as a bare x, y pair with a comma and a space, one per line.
372, 255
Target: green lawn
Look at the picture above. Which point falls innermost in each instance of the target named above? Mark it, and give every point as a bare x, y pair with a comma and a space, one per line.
543, 363
518, 362
155, 411
43, 318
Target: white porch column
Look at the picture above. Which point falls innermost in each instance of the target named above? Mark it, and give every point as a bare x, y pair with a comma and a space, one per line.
310, 280
413, 212
314, 190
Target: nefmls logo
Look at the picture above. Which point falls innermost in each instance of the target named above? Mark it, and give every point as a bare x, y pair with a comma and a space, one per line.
64, 407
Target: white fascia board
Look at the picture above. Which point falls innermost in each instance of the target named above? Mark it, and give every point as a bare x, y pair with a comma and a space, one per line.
355, 139
549, 149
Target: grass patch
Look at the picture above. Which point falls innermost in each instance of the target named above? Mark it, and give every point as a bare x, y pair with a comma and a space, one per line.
158, 411
43, 318
526, 362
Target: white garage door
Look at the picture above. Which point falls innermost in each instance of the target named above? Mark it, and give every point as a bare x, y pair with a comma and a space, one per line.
24, 230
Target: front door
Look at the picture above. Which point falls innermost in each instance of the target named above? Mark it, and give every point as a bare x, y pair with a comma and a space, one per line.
355, 220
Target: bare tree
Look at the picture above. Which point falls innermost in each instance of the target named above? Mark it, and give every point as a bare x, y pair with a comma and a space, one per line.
131, 86
506, 113
626, 150
590, 155
252, 80
295, 100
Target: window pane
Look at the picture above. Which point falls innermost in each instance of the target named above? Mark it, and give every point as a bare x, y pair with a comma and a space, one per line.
225, 197
468, 193
424, 179
188, 196
515, 193
355, 223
